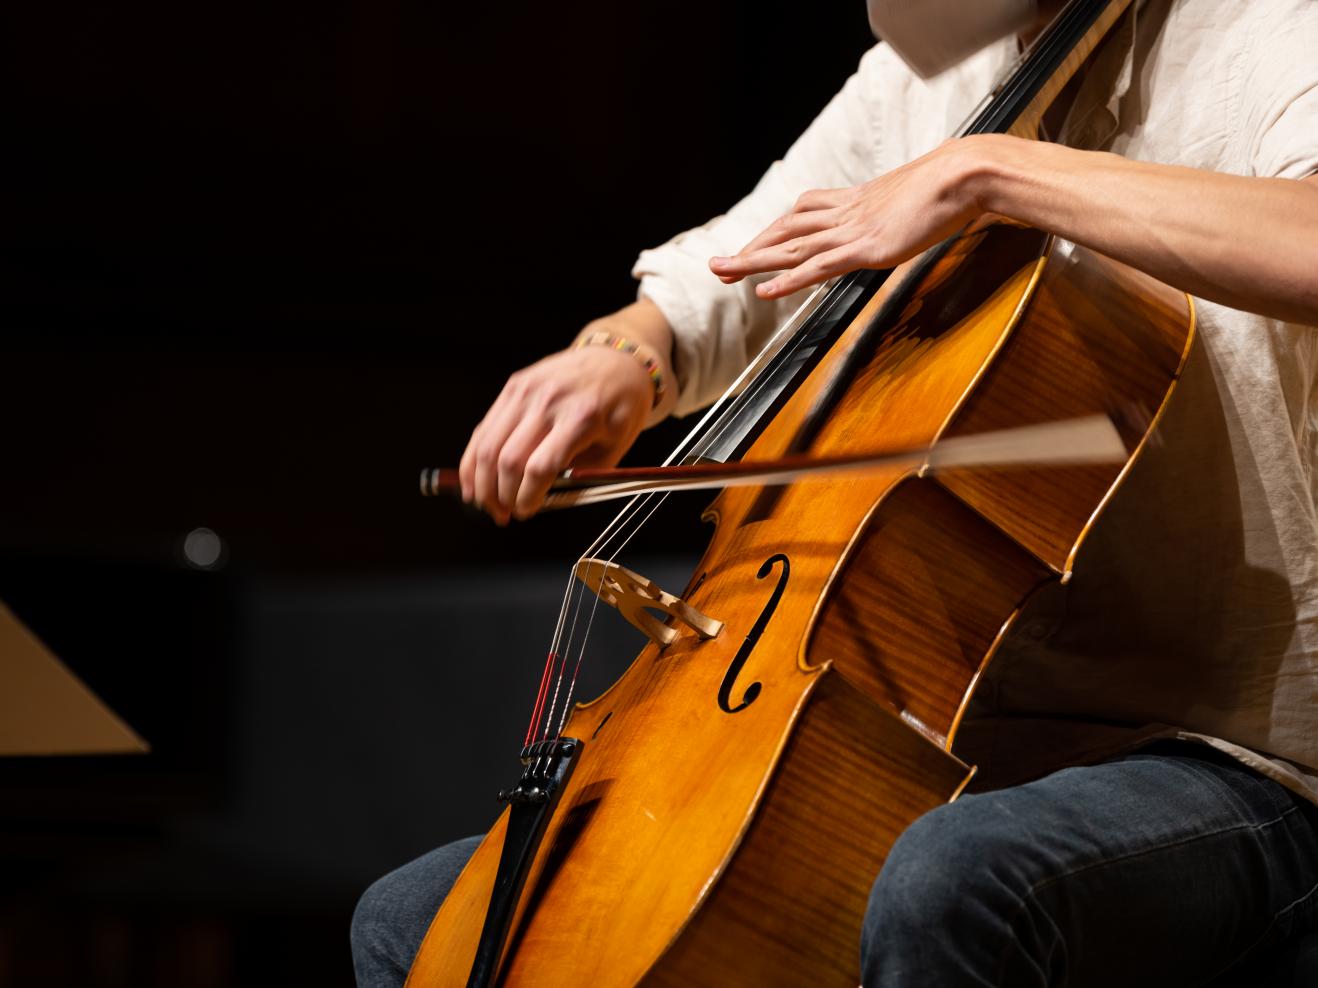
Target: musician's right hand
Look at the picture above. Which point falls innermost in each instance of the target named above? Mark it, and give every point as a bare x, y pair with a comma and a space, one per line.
578, 407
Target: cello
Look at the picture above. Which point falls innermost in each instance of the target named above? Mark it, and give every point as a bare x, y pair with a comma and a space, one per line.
716, 817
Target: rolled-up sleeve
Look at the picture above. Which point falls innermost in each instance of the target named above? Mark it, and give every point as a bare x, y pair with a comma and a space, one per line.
716, 326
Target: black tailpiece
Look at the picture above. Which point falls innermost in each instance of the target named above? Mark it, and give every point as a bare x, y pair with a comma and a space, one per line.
531, 803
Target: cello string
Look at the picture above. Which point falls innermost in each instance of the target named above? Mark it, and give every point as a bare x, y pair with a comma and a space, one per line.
539, 699
547, 674
566, 651
740, 392
576, 590
563, 652
576, 671
585, 637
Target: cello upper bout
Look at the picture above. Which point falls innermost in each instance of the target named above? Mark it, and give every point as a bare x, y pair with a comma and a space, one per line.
1097, 336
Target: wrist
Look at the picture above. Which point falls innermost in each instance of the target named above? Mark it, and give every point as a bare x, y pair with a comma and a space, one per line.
645, 356
991, 173
643, 322
1037, 183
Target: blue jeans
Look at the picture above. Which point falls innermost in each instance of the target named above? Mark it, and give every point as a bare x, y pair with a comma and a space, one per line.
1174, 866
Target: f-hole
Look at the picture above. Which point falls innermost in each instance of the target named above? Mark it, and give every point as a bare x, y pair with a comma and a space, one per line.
748, 646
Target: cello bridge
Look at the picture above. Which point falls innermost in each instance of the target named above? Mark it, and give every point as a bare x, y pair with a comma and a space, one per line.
635, 597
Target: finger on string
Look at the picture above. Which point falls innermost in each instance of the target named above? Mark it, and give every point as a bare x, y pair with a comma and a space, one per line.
570, 435
789, 227
821, 267
791, 254
786, 228
518, 448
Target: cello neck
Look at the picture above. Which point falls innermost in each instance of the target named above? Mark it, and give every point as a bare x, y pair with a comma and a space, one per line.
1017, 106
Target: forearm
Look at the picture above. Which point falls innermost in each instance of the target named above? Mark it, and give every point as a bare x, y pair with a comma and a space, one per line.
1250, 243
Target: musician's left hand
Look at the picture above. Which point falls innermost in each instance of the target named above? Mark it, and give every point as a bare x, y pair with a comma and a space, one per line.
1147, 215
875, 225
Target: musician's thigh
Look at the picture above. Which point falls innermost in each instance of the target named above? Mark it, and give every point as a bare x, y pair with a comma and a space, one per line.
394, 913
1163, 867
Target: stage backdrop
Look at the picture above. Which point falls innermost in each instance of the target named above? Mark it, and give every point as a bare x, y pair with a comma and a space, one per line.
260, 262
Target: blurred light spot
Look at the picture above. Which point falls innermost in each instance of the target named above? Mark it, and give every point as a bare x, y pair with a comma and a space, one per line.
203, 549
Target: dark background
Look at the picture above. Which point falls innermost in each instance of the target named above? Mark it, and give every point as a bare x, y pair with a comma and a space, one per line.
258, 264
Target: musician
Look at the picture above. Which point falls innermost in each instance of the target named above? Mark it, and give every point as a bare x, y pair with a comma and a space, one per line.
1178, 672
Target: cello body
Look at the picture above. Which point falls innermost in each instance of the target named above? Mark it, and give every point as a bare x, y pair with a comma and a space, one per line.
736, 795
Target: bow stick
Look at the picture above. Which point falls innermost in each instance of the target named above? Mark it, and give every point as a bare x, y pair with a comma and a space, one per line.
1092, 439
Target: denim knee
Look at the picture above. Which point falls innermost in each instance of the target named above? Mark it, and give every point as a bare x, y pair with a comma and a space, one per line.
929, 873
944, 903
394, 913
369, 933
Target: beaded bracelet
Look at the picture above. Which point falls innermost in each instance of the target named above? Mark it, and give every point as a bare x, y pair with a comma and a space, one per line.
643, 352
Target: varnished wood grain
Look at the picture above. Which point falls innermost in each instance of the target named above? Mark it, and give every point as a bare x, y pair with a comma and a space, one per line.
1099, 337
922, 598
852, 779
661, 798
683, 825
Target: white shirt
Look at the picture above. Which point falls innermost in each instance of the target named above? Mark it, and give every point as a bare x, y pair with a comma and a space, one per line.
1193, 610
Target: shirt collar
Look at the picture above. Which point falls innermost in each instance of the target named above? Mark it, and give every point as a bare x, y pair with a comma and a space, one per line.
1096, 112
